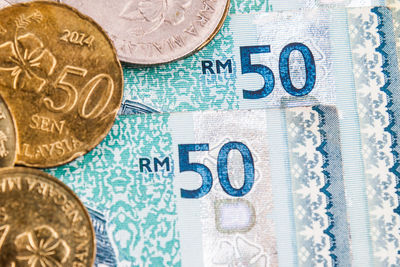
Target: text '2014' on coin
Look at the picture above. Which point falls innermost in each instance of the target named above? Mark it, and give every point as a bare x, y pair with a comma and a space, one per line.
61, 78
155, 32
42, 222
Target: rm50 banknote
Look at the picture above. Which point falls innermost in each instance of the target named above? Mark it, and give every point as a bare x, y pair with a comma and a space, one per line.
259, 60
218, 188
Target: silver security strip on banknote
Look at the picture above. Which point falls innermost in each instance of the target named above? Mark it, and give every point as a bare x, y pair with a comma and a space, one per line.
219, 188
277, 5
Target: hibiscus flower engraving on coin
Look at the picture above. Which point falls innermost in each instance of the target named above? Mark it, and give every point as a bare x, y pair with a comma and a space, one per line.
26, 58
41, 247
151, 14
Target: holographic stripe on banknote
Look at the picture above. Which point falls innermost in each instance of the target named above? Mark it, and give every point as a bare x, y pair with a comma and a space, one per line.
219, 188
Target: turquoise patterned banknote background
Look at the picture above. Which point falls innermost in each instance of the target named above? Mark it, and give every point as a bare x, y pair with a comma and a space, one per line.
139, 207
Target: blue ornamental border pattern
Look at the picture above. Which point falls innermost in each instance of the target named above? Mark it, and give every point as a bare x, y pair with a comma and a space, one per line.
325, 188
391, 88
334, 189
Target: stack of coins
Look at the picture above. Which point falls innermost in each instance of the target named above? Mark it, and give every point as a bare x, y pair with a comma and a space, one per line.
61, 87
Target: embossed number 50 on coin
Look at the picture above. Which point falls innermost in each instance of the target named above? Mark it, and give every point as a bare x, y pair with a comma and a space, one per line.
61, 78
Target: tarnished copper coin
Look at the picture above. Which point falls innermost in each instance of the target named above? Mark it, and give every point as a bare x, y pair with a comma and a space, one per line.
149, 32
61, 78
8, 137
42, 222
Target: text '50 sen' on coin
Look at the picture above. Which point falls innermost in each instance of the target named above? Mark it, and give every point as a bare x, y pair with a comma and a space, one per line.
42, 222
158, 31
61, 78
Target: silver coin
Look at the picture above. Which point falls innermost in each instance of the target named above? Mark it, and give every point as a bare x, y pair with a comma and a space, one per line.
8, 136
148, 32
4, 3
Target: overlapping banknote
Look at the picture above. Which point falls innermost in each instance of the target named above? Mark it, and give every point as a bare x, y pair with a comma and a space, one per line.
311, 180
220, 188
